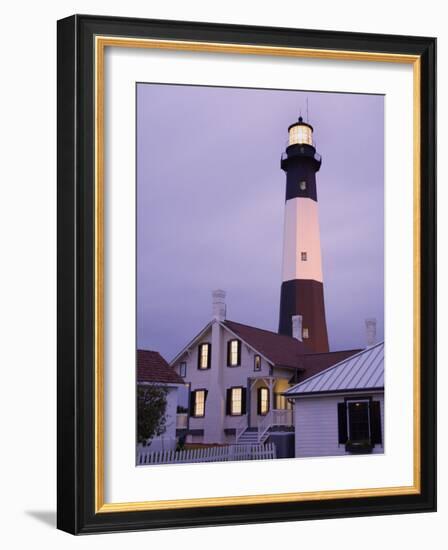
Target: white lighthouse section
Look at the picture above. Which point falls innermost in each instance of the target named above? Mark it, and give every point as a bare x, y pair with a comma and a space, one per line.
301, 241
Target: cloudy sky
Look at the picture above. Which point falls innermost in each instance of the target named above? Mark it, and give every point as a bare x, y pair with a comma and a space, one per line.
210, 205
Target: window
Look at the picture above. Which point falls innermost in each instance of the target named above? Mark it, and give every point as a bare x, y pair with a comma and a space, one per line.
302, 185
303, 256
233, 353
305, 333
263, 401
183, 369
236, 401
360, 421
198, 398
204, 351
257, 362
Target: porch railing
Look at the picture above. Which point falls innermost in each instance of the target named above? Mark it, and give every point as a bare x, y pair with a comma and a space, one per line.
282, 417
263, 425
241, 426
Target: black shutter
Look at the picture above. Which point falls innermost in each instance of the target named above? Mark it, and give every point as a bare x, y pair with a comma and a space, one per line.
229, 401
268, 393
243, 400
342, 423
192, 402
229, 343
239, 352
199, 355
209, 356
375, 423
259, 401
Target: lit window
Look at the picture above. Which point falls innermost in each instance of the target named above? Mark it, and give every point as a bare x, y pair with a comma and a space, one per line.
199, 403
303, 256
300, 134
236, 403
183, 369
204, 356
305, 333
233, 353
302, 185
257, 362
263, 401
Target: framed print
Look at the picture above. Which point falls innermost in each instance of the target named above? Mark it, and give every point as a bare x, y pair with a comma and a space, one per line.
246, 274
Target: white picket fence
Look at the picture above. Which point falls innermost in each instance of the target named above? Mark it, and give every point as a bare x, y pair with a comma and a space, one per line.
209, 454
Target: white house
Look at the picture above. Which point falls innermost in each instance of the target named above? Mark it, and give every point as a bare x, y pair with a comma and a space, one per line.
237, 375
153, 369
341, 409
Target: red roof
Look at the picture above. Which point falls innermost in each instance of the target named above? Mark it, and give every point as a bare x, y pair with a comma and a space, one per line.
317, 362
281, 350
152, 367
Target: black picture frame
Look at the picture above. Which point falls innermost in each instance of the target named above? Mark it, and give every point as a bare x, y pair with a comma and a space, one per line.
76, 286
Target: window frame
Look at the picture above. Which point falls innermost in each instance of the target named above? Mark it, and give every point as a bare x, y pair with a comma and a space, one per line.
241, 388
230, 352
260, 406
195, 392
367, 400
209, 353
183, 368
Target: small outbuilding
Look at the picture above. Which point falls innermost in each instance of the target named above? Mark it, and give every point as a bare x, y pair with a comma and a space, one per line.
153, 369
341, 409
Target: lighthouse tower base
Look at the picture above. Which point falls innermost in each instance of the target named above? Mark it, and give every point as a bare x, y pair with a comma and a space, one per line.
305, 297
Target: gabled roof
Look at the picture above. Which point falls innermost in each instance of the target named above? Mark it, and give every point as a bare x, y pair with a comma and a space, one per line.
152, 367
363, 371
280, 350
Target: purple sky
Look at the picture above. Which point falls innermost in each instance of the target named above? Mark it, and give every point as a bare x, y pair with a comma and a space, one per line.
210, 204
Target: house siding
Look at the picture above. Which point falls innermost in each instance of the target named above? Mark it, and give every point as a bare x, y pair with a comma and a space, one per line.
316, 425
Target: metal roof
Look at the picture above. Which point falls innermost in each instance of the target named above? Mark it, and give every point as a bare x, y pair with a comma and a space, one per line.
362, 371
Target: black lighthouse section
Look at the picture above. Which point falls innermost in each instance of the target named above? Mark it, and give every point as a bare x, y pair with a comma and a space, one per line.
301, 162
305, 297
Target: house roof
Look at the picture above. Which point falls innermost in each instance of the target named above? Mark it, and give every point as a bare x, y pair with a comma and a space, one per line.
152, 367
362, 371
281, 350
317, 362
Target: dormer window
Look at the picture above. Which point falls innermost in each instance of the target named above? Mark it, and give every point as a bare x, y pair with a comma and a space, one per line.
234, 353
204, 353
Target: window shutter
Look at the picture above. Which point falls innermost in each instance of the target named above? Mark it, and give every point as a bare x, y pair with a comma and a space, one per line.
268, 400
199, 355
259, 401
243, 401
375, 423
239, 352
209, 356
342, 423
229, 401
229, 343
192, 402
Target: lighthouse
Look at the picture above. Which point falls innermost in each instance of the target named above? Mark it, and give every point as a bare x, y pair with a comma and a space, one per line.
302, 293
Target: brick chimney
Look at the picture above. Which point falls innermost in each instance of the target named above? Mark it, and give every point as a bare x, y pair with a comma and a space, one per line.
370, 332
219, 305
297, 327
